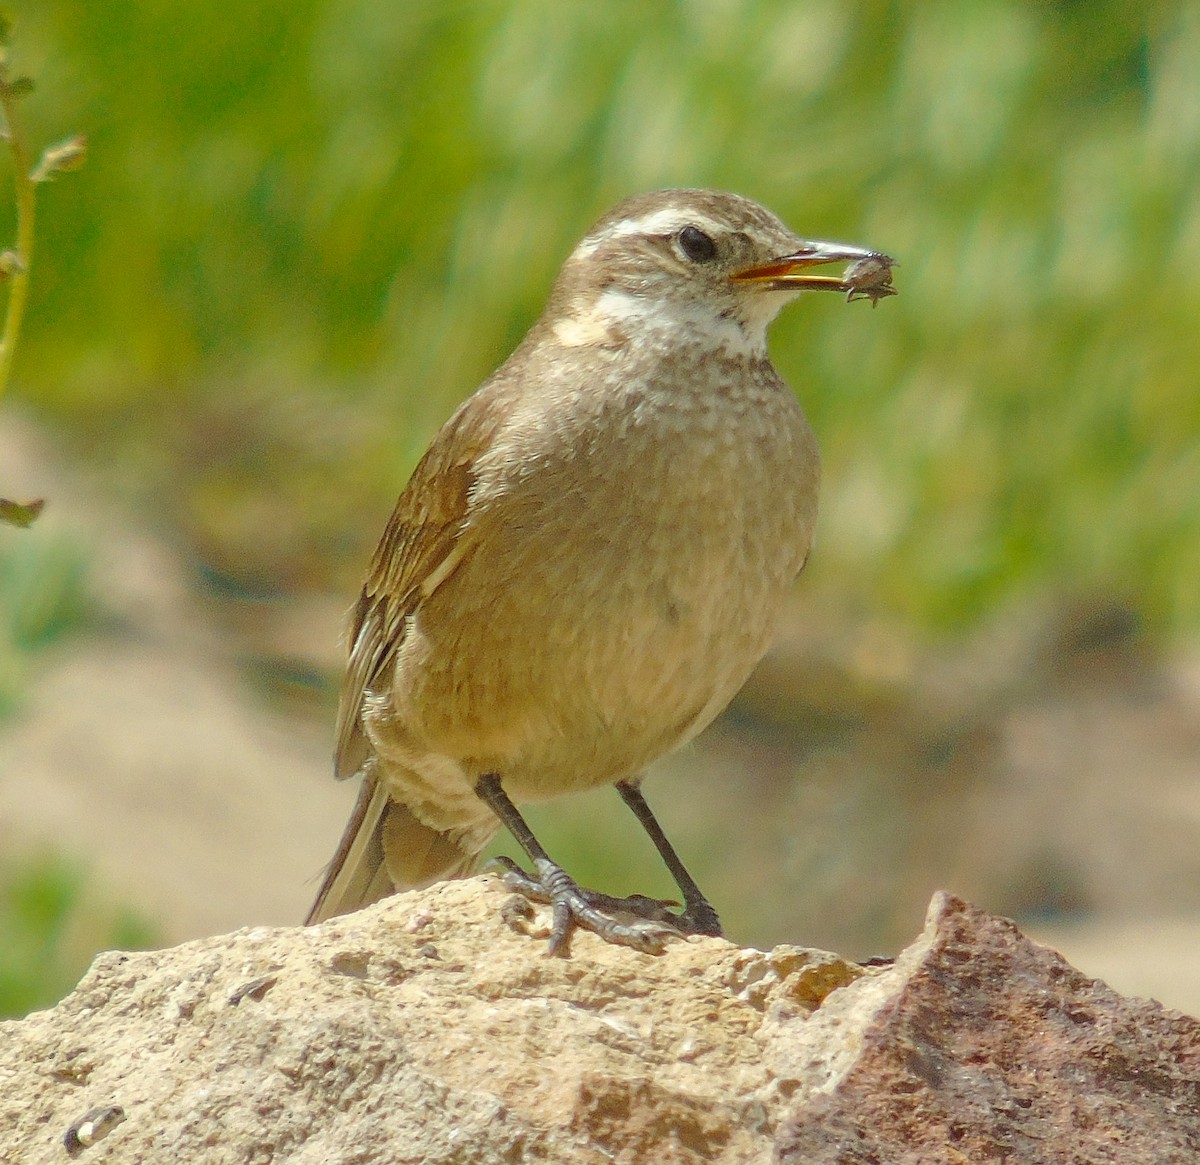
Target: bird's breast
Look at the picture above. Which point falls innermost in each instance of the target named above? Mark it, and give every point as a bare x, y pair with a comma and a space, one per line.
628, 561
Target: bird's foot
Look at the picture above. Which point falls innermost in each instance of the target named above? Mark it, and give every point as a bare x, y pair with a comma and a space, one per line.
650, 921
699, 918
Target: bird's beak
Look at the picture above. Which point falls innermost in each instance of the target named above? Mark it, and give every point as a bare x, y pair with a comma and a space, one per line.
869, 274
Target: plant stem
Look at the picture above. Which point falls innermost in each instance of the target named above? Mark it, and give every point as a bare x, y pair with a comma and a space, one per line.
19, 275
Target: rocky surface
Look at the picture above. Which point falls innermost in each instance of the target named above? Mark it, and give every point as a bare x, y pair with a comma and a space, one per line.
433, 1028
981, 1046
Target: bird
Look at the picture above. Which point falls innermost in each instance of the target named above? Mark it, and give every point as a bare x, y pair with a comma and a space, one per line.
588, 561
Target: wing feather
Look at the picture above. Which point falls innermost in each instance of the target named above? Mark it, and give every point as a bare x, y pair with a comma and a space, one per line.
420, 548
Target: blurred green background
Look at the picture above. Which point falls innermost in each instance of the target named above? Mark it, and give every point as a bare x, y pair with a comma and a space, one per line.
308, 228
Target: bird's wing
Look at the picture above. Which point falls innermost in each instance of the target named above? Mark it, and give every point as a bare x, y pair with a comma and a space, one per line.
420, 549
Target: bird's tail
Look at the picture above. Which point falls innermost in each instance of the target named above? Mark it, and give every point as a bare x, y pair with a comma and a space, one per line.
384, 849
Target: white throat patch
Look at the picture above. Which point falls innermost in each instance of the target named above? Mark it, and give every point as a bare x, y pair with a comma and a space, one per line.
639, 317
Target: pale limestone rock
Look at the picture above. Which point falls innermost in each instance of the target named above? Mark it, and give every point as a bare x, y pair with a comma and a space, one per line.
423, 1029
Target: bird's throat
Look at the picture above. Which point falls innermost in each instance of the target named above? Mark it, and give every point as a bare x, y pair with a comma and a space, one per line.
618, 318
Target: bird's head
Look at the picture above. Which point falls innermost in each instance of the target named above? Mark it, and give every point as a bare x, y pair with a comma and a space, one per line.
700, 267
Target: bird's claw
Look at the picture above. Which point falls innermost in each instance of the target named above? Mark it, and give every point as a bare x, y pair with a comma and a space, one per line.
651, 926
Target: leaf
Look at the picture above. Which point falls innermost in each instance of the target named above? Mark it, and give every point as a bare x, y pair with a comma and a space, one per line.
20, 513
17, 88
61, 159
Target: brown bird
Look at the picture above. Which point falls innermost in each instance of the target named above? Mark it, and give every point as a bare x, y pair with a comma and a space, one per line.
589, 560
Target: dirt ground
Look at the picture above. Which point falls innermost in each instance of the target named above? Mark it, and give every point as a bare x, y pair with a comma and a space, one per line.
1051, 772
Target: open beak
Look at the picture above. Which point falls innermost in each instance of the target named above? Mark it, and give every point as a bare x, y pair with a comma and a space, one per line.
869, 275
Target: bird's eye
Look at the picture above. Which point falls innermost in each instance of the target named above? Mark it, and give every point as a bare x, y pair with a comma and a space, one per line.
696, 245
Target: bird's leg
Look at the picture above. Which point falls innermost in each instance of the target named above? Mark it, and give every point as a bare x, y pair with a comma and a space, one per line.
572, 906
698, 916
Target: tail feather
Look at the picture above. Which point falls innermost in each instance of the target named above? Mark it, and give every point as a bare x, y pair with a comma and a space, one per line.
384, 849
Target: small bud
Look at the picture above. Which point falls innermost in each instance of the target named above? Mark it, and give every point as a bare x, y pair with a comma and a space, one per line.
61, 159
10, 264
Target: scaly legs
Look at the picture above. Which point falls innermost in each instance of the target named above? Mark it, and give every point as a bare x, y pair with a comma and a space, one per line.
651, 922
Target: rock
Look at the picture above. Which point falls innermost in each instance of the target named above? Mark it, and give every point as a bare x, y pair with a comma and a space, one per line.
430, 1029
981, 1046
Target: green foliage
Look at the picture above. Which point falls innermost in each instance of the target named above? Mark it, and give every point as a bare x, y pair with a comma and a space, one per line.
308, 228
15, 262
43, 596
51, 934
42, 591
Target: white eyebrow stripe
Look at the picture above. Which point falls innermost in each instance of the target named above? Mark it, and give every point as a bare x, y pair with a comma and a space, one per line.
658, 222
